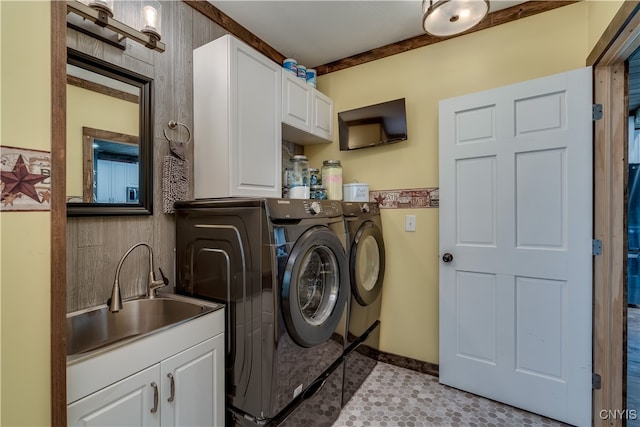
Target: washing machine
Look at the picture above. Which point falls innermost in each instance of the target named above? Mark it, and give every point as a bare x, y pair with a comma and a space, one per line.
366, 258
280, 267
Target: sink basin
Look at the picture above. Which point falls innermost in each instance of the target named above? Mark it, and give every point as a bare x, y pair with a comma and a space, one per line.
98, 328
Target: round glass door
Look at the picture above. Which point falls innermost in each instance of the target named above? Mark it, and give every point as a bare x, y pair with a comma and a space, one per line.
366, 263
314, 287
318, 285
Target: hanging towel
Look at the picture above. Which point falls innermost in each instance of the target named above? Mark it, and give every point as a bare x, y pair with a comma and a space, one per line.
175, 182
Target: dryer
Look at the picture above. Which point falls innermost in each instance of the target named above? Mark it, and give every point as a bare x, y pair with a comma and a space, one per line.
280, 267
366, 257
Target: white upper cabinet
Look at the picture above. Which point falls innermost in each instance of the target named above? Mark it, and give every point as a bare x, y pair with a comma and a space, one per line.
307, 114
237, 121
322, 116
296, 102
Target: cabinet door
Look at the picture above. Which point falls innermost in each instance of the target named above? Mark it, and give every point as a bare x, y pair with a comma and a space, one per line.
296, 102
193, 389
255, 114
322, 119
103, 181
119, 181
125, 403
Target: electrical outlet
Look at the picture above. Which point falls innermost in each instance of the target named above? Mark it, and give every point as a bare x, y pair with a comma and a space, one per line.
410, 223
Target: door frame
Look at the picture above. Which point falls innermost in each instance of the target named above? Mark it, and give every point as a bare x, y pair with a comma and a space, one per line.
618, 42
58, 296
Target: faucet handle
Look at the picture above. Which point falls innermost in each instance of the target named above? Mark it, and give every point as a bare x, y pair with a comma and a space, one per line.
165, 280
155, 284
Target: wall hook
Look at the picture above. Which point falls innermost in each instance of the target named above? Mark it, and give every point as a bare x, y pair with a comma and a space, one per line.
176, 147
172, 125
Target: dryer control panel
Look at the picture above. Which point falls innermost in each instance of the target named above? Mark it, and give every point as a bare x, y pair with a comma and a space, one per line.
360, 209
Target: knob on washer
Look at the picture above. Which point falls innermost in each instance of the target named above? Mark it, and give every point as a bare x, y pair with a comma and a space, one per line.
314, 208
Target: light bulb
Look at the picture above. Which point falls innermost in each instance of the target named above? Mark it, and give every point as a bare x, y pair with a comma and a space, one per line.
102, 5
151, 21
150, 18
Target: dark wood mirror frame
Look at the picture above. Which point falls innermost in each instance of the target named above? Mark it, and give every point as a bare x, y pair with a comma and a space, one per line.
145, 204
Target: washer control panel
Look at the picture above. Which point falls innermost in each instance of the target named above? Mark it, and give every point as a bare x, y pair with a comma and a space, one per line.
303, 208
324, 208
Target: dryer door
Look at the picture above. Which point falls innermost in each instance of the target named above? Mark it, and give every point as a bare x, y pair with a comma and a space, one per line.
314, 287
366, 263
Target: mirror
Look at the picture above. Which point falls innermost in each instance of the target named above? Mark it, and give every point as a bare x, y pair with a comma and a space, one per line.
109, 139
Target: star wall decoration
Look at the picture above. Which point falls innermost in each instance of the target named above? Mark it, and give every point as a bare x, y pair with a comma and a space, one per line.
19, 180
25, 179
408, 198
8, 199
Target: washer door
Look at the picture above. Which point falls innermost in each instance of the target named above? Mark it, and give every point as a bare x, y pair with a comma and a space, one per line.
366, 263
314, 287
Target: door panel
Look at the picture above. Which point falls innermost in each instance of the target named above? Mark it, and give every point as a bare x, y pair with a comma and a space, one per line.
540, 205
476, 332
515, 213
476, 201
536, 328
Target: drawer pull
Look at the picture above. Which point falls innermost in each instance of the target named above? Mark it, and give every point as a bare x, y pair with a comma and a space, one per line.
155, 398
173, 388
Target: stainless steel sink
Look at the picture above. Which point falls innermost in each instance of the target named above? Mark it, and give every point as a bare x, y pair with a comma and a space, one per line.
98, 328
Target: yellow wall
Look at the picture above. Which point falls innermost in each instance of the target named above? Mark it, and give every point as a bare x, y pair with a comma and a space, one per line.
25, 248
86, 108
600, 13
540, 45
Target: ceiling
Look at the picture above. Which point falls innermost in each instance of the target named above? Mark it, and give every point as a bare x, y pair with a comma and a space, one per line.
317, 32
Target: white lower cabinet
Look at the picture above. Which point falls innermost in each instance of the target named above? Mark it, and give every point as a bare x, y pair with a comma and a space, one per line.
186, 389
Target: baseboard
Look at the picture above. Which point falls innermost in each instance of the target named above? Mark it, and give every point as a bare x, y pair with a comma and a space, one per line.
401, 361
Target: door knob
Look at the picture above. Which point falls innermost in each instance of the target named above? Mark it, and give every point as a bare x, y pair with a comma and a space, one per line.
447, 257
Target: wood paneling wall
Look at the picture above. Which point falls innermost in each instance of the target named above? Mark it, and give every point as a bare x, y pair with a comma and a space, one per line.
95, 244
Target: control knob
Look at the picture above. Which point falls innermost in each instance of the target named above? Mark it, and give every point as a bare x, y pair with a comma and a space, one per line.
314, 208
365, 208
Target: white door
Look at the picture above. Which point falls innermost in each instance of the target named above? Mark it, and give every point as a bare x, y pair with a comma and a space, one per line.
126, 403
516, 218
193, 386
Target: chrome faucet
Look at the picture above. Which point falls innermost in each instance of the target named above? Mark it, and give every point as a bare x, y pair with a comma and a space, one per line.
115, 302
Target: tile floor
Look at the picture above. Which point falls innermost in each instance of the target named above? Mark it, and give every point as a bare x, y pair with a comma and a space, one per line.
395, 397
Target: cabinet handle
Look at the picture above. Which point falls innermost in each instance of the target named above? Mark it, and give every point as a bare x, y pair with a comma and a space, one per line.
173, 388
155, 398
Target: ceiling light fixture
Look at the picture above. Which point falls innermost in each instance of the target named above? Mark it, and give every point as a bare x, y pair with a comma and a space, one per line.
110, 30
444, 18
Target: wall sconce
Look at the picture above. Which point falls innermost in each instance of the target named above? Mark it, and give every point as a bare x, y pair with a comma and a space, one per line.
444, 18
150, 22
112, 31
